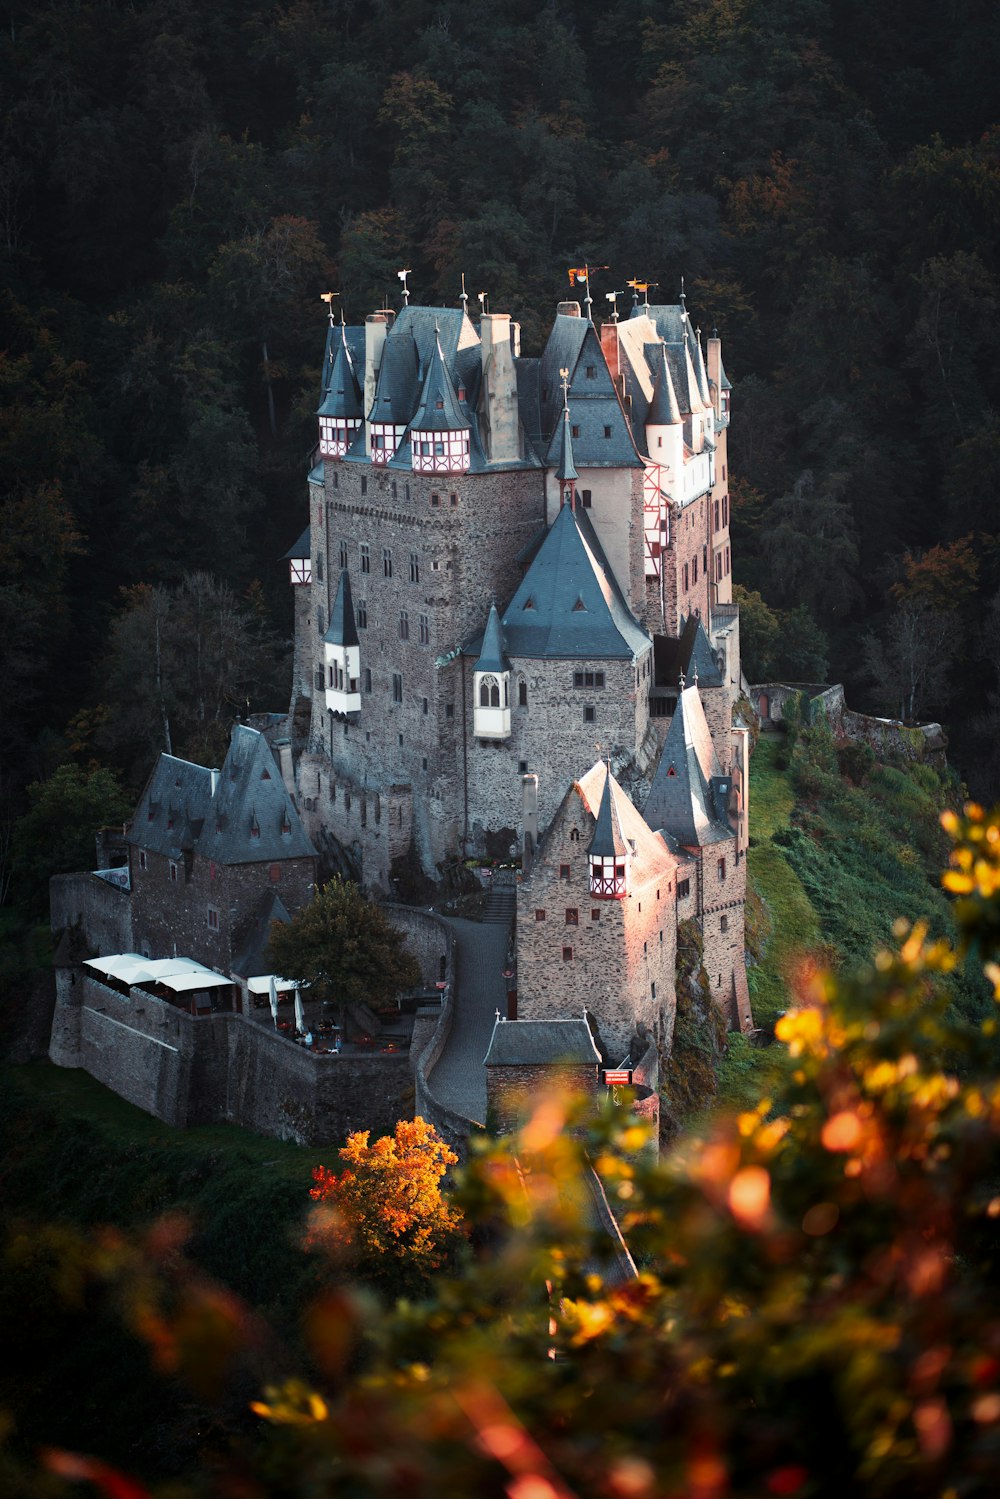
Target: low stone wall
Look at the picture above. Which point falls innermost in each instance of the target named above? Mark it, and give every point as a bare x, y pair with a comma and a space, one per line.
222, 1068
427, 938
426, 1048
101, 910
888, 738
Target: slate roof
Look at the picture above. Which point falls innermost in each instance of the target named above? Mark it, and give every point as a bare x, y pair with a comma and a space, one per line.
573, 344
187, 808
700, 659
673, 326
651, 857
411, 344
251, 944
301, 548
680, 798
439, 409
526, 1043
608, 842
566, 469
568, 605
491, 656
698, 360
342, 629
663, 410
342, 397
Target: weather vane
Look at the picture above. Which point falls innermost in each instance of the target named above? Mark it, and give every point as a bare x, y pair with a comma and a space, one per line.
464, 299
406, 290
564, 379
327, 297
612, 297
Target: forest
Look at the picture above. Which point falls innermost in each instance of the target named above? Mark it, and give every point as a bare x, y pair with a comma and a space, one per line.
179, 183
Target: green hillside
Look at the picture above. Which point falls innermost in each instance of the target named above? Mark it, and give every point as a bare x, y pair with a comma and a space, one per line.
840, 848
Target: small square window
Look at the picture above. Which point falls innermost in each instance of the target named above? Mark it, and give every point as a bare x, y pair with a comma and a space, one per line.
588, 714
595, 914
683, 889
142, 858
424, 762
572, 916
585, 498
449, 710
435, 501
213, 919
539, 915
522, 768
607, 431
575, 431
567, 955
173, 872
274, 873
591, 372
454, 501
722, 869
723, 923
564, 871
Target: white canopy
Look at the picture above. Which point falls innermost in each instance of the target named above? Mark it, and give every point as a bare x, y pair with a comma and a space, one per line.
131, 968
262, 984
180, 982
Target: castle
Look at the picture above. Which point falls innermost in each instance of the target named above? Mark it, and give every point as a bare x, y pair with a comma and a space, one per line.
514, 633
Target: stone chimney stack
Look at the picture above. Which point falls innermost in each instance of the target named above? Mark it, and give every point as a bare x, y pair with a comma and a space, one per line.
529, 821
376, 328
499, 389
714, 362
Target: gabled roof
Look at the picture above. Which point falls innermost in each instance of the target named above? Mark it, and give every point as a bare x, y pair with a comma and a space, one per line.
417, 336
568, 605
608, 842
525, 1043
698, 359
650, 856
491, 656
701, 662
213, 813
342, 630
603, 438
680, 799
343, 396
439, 409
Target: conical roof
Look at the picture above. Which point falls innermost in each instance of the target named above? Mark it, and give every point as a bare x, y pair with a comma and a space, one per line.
607, 841
663, 409
701, 374
439, 410
680, 800
342, 398
565, 469
343, 629
491, 657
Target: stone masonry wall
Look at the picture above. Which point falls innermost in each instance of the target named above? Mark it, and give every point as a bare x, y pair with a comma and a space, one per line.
512, 1092
101, 910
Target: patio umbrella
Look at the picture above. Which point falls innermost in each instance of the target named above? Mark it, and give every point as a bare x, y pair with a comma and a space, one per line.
300, 1019
273, 991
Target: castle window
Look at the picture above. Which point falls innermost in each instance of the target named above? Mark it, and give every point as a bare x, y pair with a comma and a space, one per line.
572, 916
425, 630
522, 766
320, 625
704, 560
725, 505
539, 915
319, 567
397, 687
435, 501
694, 569
567, 955
424, 707
386, 563
723, 923
591, 372
142, 858
574, 836
454, 501
722, 869
522, 693
575, 431
366, 560
564, 871
343, 555
589, 713
368, 679
716, 515
336, 479
395, 490
607, 431
585, 498
449, 710
173, 872
213, 919
489, 693
595, 914
319, 515
414, 567
727, 561
364, 484
686, 583
362, 614
652, 990
404, 625
424, 762
683, 889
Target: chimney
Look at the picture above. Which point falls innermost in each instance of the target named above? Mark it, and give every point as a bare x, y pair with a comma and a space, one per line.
503, 438
609, 345
714, 364
529, 820
376, 327
568, 309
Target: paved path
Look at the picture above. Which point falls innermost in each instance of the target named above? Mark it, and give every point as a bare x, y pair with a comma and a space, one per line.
459, 1078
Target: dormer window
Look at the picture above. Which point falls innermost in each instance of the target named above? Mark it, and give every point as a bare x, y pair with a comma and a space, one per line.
608, 877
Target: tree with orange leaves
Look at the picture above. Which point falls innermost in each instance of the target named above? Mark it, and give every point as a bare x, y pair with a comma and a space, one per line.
386, 1206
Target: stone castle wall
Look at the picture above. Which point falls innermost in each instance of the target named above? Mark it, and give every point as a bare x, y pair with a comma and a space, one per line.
102, 911
888, 738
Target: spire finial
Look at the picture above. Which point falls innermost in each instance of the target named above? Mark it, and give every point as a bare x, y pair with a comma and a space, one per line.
327, 297
406, 290
612, 297
564, 382
464, 298
483, 298
682, 681
694, 679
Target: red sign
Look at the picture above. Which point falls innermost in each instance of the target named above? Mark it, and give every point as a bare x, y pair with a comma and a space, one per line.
615, 1075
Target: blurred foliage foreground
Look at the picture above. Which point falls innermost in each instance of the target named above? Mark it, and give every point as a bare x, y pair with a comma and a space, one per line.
816, 1310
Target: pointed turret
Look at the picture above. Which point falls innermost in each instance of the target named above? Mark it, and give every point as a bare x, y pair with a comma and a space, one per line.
689, 793
343, 653
340, 411
699, 368
439, 433
608, 852
663, 409
566, 469
491, 684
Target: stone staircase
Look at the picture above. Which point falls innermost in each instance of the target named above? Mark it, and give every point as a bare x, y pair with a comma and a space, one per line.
502, 899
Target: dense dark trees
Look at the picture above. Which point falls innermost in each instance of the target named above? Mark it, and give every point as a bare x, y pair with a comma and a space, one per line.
178, 183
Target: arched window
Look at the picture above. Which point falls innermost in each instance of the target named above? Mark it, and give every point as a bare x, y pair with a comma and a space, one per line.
484, 693
522, 693
495, 694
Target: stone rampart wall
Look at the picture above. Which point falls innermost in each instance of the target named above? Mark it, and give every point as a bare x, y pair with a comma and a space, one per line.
888, 738
103, 911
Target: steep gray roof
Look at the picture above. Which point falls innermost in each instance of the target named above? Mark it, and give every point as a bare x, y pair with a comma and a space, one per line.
491, 656
526, 1043
301, 548
663, 410
568, 605
343, 629
565, 469
410, 347
343, 396
240, 814
439, 409
698, 359
680, 798
252, 942
603, 438
700, 658
607, 841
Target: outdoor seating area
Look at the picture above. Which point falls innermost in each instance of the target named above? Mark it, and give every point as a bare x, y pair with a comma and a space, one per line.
312, 1023
181, 982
